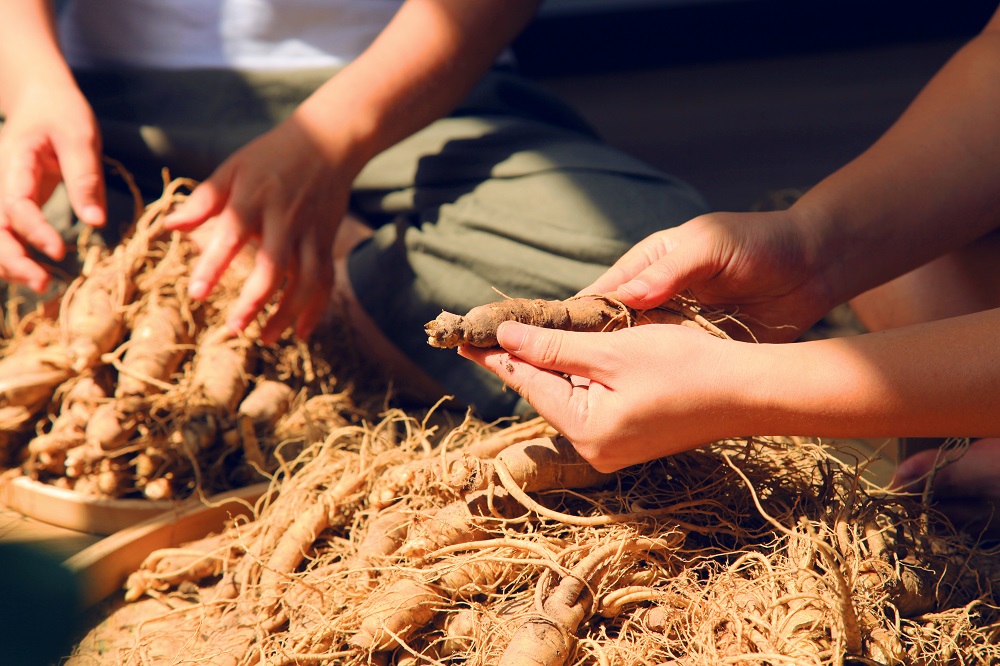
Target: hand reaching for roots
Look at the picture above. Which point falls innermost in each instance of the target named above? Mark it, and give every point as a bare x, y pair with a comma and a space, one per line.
285, 197
50, 136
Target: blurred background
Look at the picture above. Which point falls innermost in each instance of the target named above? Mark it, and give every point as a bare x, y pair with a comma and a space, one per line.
744, 97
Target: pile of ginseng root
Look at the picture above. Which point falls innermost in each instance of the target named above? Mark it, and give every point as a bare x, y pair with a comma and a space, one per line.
395, 543
385, 539
126, 388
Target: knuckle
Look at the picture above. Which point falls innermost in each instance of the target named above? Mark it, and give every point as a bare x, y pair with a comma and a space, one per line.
548, 347
82, 134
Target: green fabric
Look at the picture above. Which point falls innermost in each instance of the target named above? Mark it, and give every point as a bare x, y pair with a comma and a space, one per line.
512, 193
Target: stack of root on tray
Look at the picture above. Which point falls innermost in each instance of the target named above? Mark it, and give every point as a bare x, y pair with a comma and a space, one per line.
125, 387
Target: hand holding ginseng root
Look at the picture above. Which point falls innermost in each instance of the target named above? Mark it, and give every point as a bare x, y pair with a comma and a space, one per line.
597, 389
630, 394
576, 379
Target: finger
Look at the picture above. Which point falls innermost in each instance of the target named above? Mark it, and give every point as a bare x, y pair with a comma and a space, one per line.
662, 266
83, 175
24, 219
16, 267
630, 264
318, 265
555, 397
260, 286
271, 264
307, 295
227, 239
207, 200
559, 351
957, 472
284, 314
23, 191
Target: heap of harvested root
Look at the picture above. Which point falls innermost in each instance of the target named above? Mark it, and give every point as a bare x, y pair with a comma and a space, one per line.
504, 547
132, 389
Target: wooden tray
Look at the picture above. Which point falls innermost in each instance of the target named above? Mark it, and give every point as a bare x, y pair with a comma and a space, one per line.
103, 567
65, 508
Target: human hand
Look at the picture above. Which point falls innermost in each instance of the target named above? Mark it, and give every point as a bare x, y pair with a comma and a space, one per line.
50, 136
964, 483
761, 265
287, 197
623, 397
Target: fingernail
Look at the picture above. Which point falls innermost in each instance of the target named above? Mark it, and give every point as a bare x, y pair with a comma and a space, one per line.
198, 289
637, 289
55, 251
92, 215
511, 335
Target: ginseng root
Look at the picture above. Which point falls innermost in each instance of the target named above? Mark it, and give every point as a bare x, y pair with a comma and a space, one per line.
478, 328
544, 463
549, 640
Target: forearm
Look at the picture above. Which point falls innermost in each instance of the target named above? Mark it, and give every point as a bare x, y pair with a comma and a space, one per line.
927, 187
424, 62
936, 379
29, 51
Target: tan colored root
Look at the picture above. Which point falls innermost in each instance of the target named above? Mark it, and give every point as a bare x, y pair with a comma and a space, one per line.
157, 344
392, 618
30, 373
534, 465
93, 313
452, 467
113, 423
258, 413
549, 640
781, 542
221, 370
478, 327
461, 521
79, 398
268, 402
170, 567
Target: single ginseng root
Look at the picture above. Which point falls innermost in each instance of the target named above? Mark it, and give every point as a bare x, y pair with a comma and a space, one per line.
478, 328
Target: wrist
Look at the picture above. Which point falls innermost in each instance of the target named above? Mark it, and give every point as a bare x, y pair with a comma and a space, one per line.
341, 128
823, 388
37, 85
830, 250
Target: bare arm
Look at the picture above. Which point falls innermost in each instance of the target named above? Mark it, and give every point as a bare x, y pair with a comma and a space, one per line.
29, 51
936, 379
288, 189
926, 187
49, 135
621, 403
424, 63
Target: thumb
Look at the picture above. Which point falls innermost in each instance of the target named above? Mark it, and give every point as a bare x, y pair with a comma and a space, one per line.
690, 262
562, 352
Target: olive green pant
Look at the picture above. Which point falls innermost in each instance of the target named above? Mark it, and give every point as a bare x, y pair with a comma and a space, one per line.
512, 193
